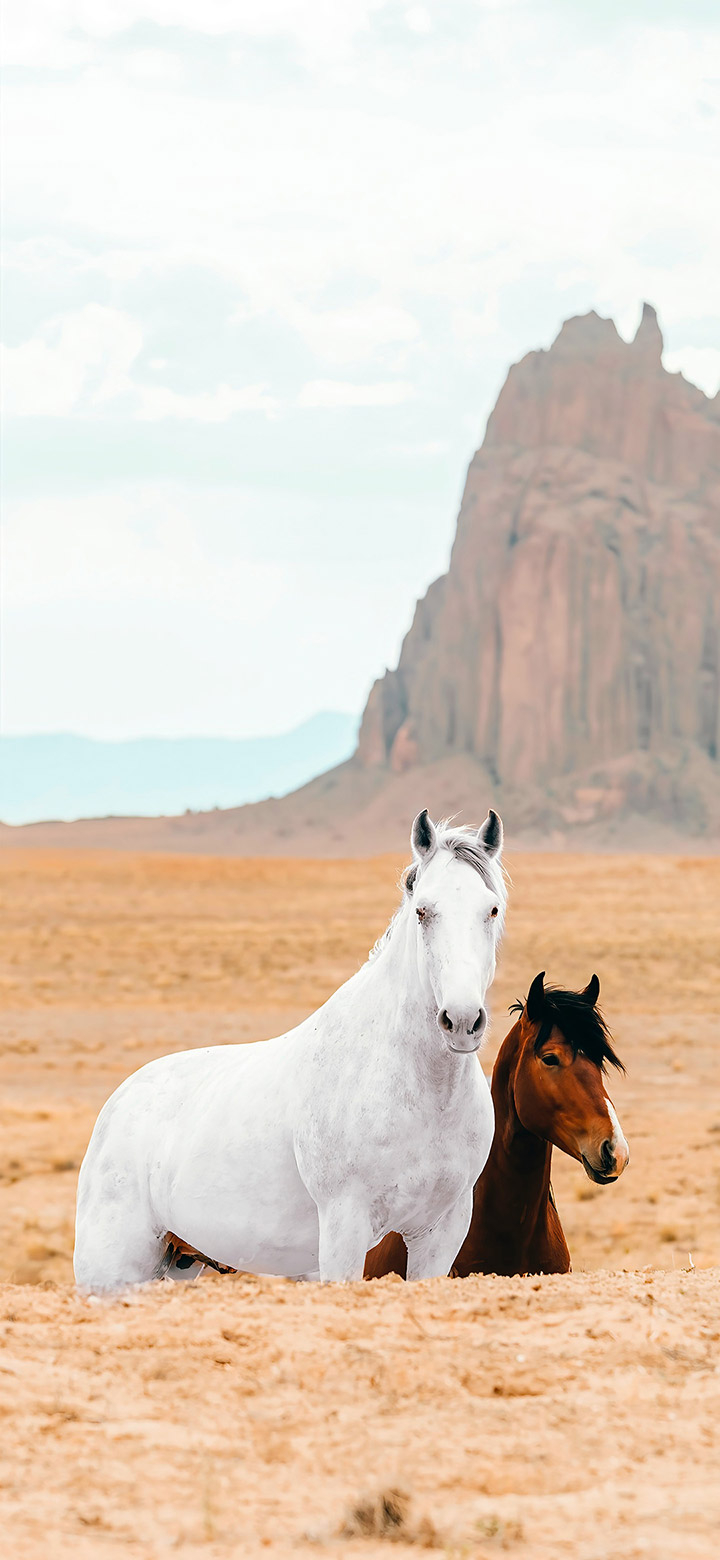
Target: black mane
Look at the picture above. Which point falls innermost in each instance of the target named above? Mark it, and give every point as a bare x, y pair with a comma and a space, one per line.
582, 1025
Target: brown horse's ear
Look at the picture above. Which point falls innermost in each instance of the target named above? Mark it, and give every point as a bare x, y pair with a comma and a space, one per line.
536, 999
591, 992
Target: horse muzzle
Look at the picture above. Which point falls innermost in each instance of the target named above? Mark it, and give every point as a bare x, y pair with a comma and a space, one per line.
609, 1162
464, 1031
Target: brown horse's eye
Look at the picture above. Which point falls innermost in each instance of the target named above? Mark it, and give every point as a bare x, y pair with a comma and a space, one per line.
494, 911
551, 1060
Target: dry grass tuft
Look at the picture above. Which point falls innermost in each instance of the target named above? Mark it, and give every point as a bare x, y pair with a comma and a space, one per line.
500, 1532
388, 1516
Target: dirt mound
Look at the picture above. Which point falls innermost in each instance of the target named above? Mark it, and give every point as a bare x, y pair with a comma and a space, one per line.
573, 1416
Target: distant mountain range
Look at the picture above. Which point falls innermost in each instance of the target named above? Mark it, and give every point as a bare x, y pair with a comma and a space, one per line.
59, 776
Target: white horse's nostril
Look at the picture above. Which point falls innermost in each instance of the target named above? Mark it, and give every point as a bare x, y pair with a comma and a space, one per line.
462, 1023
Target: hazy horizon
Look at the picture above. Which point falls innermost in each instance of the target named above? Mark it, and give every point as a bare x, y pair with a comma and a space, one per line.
66, 776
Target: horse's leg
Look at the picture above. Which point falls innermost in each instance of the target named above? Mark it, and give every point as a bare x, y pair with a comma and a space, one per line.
183, 1263
178, 1265
432, 1254
345, 1235
115, 1245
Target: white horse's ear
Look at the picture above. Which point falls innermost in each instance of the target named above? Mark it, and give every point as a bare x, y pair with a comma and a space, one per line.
591, 992
423, 836
490, 834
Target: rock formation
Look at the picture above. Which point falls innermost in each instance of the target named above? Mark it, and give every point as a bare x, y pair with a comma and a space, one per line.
567, 666
577, 631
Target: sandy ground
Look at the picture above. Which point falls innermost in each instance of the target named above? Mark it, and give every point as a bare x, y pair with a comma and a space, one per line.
565, 1416
570, 1417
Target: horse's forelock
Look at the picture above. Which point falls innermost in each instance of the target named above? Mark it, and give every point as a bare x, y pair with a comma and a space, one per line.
464, 845
582, 1025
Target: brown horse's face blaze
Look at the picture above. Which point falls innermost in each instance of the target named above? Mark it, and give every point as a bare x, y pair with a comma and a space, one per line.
560, 1096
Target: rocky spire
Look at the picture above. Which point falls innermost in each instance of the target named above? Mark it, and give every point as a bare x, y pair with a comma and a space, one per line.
648, 339
593, 391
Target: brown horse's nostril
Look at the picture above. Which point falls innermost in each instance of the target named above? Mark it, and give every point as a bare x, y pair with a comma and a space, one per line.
445, 1021
607, 1156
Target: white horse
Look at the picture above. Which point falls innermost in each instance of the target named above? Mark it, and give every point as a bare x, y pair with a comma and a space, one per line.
296, 1155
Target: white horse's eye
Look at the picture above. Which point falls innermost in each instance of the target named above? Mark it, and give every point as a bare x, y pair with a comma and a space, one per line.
421, 912
494, 912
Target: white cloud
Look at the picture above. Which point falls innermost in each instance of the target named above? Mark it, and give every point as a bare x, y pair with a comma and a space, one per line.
484, 164
83, 360
418, 19
157, 402
155, 65
367, 332
337, 392
701, 365
79, 357
144, 544
58, 34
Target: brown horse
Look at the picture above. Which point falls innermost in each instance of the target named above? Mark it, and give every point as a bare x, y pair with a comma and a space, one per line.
547, 1089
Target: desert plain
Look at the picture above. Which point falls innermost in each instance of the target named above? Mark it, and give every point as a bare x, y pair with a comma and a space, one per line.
537, 1417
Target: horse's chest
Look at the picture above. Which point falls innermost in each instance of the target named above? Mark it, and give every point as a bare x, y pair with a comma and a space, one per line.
422, 1188
429, 1158
429, 1154
404, 1140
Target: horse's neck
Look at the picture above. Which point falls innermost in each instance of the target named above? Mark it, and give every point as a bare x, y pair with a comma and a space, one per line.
514, 1189
389, 978
390, 983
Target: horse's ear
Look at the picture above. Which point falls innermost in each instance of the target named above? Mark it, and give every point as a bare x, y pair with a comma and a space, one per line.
591, 992
536, 999
490, 834
423, 836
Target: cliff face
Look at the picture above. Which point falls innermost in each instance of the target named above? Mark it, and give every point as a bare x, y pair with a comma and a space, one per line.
579, 620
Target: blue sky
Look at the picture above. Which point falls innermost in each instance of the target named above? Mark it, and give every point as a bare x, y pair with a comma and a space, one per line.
265, 269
